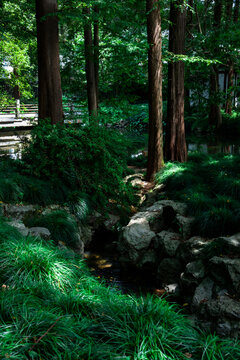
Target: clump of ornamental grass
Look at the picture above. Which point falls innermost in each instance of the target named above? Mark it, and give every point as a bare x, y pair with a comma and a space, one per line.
29, 262
61, 224
209, 185
17, 186
51, 307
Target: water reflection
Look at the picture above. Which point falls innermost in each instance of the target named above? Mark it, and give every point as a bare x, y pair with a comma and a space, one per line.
214, 146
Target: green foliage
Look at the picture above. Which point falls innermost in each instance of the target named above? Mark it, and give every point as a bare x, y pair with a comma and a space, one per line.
52, 308
61, 225
89, 159
17, 186
231, 123
210, 187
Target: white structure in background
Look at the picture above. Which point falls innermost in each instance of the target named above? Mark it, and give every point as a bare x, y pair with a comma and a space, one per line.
8, 69
196, 96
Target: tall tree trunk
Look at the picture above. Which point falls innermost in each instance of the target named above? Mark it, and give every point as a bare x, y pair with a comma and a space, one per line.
155, 139
175, 143
215, 116
229, 101
96, 52
49, 88
228, 11
89, 64
236, 11
16, 90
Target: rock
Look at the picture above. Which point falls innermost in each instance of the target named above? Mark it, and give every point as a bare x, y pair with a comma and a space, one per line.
224, 328
224, 306
169, 270
178, 207
85, 233
226, 272
203, 293
185, 225
230, 244
137, 234
42, 232
147, 259
167, 243
193, 249
192, 276
196, 269
152, 196
111, 221
18, 224
50, 208
139, 184
79, 246
188, 283
173, 290
18, 211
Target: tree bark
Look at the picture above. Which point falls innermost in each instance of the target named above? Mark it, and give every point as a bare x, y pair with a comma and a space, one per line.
89, 64
229, 101
228, 108
155, 139
215, 116
236, 11
175, 142
96, 52
16, 90
228, 11
49, 88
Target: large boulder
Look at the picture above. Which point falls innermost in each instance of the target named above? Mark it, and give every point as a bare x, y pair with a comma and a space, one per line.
185, 225
192, 276
41, 232
18, 211
19, 225
226, 272
193, 249
169, 270
203, 293
138, 234
167, 243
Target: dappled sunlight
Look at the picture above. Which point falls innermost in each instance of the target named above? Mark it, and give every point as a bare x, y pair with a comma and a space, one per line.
209, 185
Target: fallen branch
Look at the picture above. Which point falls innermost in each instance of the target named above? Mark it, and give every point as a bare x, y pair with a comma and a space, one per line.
41, 337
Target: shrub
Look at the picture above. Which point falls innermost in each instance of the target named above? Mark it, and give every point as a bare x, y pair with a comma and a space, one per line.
89, 159
61, 225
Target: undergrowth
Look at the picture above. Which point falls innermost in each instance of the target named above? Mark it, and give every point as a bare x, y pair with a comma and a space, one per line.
78, 166
61, 225
90, 159
210, 186
51, 307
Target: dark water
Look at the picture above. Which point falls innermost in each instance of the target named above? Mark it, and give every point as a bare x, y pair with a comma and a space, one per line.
213, 145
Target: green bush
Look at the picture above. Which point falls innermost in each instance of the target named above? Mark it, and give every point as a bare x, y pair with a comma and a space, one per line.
89, 159
61, 225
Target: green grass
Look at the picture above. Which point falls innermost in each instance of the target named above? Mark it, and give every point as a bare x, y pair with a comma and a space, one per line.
61, 224
210, 186
51, 307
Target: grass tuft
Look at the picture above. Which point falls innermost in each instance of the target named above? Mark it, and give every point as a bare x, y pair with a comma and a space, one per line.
209, 185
